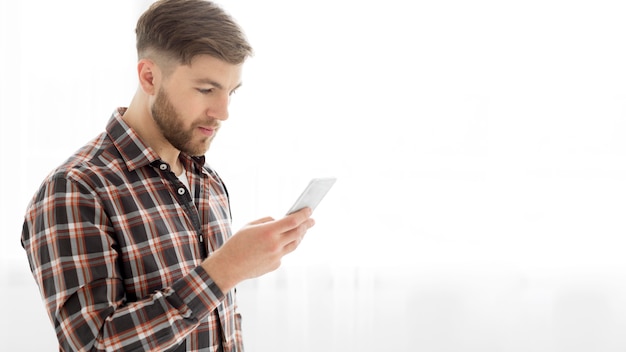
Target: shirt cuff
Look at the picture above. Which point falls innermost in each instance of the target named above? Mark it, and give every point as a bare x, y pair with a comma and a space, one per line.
197, 294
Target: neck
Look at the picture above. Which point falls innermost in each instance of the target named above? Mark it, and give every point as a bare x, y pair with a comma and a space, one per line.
139, 118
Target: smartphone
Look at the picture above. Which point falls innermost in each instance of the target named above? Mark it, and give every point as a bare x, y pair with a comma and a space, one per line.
313, 193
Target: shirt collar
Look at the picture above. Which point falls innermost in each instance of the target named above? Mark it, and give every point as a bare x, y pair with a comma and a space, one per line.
132, 149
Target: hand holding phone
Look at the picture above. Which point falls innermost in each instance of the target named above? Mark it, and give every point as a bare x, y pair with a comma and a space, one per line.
313, 194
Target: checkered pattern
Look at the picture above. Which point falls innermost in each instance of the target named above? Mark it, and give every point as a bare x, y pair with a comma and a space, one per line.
115, 240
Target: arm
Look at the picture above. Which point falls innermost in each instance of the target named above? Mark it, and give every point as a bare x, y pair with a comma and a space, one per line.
72, 252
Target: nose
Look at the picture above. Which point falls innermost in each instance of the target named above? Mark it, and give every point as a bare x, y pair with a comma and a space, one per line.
220, 108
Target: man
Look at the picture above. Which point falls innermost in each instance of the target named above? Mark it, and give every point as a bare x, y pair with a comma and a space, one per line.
129, 240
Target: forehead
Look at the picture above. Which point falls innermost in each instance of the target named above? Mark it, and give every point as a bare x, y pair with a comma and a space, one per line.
209, 68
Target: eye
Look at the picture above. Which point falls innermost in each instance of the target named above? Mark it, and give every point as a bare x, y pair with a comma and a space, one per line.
232, 92
204, 90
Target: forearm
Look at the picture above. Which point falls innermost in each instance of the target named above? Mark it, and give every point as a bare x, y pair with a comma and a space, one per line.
153, 323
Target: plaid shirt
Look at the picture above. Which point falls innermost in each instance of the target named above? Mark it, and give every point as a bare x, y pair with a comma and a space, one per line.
115, 241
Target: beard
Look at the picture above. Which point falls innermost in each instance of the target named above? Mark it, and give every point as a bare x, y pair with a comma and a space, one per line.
172, 127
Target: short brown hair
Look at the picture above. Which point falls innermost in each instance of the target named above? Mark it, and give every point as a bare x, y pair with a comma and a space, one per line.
182, 29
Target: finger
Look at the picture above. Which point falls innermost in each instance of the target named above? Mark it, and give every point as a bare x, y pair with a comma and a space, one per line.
295, 237
294, 243
297, 233
291, 246
293, 220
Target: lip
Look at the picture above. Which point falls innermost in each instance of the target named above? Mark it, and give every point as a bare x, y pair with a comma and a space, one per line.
207, 131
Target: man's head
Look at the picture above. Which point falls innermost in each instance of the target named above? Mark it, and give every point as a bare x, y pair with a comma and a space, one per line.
190, 58
179, 30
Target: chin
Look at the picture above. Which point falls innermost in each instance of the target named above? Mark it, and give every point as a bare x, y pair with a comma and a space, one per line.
198, 151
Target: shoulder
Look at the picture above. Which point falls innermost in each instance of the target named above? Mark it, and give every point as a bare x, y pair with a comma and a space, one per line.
89, 166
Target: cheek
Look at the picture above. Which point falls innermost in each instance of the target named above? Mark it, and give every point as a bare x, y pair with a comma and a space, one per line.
189, 103
184, 107
190, 106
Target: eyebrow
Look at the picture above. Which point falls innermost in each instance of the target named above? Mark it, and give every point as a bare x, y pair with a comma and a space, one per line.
214, 83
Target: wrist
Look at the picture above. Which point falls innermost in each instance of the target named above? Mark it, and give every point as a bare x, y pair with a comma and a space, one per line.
220, 271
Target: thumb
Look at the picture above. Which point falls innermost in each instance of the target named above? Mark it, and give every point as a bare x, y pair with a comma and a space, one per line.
262, 220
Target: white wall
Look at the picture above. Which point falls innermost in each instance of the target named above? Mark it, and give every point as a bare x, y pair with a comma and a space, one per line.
480, 149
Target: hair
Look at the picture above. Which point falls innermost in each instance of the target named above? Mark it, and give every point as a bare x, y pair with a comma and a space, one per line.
179, 30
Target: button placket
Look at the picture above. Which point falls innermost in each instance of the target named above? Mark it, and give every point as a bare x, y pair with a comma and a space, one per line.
184, 197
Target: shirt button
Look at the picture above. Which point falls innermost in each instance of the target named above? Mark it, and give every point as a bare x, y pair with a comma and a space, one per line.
181, 191
163, 167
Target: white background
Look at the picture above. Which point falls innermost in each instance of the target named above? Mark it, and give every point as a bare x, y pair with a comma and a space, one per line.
479, 146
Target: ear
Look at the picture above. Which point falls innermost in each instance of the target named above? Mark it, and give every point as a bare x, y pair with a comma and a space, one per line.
148, 73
